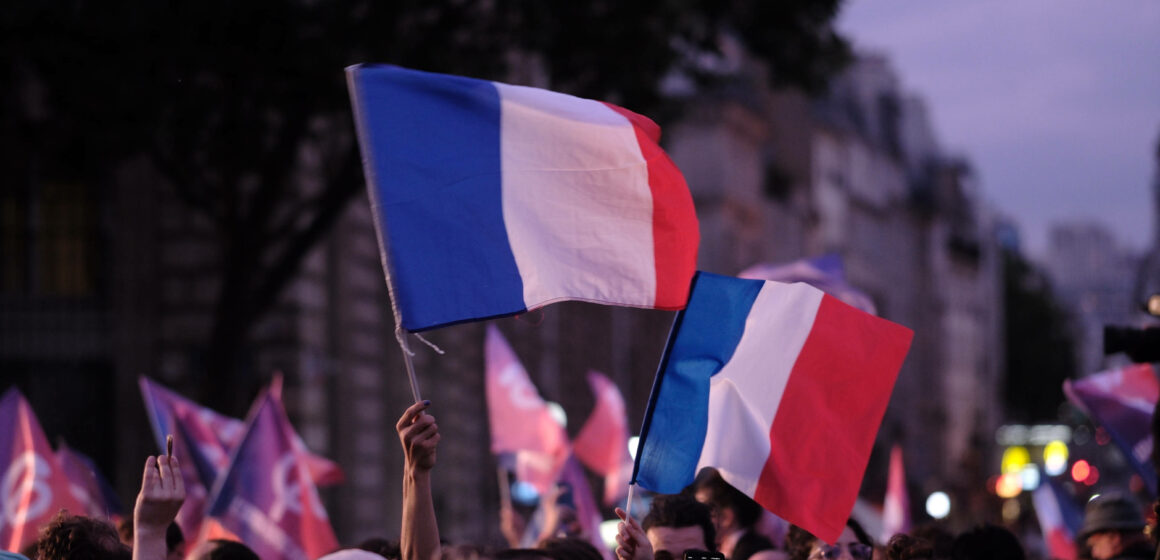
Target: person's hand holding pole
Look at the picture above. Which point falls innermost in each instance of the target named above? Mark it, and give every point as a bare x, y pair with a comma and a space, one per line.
632, 544
419, 435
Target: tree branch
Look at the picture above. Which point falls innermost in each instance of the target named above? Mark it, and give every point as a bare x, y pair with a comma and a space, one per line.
331, 204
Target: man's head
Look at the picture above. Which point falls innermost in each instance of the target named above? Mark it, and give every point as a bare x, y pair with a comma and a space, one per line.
77, 537
174, 538
987, 542
1111, 523
730, 507
676, 523
220, 549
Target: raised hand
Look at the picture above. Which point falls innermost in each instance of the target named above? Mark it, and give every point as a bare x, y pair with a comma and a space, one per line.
419, 435
419, 536
161, 496
162, 493
632, 544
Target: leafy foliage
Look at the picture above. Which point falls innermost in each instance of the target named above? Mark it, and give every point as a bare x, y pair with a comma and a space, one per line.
1039, 342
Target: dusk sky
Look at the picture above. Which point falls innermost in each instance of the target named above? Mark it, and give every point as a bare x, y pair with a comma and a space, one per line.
1056, 103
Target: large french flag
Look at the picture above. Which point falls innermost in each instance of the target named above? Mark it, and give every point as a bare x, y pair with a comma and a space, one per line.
781, 387
491, 199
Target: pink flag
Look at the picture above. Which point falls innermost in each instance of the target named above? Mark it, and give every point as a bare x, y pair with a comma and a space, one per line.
602, 444
33, 487
216, 434
86, 484
520, 421
324, 471
896, 509
267, 497
203, 440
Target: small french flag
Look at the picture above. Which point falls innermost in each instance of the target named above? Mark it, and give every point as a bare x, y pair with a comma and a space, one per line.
491, 199
781, 388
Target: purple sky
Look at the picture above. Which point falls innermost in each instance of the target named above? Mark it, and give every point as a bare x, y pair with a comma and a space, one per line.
1055, 102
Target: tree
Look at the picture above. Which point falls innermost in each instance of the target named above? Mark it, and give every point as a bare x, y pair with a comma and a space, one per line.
223, 96
1039, 342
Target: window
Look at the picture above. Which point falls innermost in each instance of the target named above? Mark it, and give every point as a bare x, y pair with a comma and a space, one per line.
49, 236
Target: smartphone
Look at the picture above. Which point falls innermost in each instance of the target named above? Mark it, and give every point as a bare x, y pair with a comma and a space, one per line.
694, 554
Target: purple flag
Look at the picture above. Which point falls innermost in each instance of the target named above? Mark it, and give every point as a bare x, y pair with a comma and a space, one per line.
1122, 401
267, 496
826, 273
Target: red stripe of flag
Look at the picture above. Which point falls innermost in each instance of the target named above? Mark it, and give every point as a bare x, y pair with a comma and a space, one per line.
824, 429
675, 230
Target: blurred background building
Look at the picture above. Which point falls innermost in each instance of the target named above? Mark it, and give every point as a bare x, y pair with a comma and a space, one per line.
1097, 278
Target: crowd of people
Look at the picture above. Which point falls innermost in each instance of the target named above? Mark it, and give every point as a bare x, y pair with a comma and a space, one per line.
709, 520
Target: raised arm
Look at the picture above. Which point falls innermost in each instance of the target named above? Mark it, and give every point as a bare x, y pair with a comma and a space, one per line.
632, 544
419, 537
161, 496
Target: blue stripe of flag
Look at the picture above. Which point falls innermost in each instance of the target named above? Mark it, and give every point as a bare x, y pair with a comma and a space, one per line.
703, 338
434, 145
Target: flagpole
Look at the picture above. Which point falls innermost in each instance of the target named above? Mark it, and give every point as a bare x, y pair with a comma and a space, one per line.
505, 491
628, 502
380, 229
401, 336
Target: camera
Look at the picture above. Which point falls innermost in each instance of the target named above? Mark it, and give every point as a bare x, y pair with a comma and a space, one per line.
694, 554
1141, 345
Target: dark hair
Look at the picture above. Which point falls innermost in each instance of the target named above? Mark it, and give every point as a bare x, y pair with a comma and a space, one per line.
678, 511
173, 537
906, 547
229, 550
78, 537
464, 552
798, 541
383, 547
569, 548
521, 554
938, 537
989, 542
722, 495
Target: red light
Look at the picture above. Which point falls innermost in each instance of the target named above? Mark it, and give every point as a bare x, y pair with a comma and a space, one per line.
1102, 437
1093, 477
992, 483
1081, 470
1136, 484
